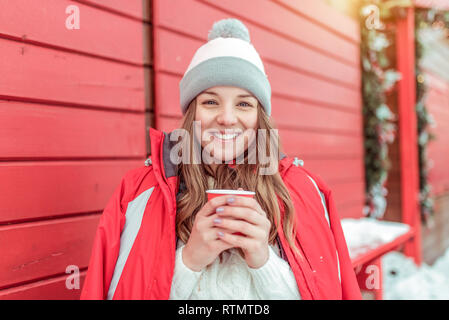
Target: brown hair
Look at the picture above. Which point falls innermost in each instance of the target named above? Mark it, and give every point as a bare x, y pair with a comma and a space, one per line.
271, 192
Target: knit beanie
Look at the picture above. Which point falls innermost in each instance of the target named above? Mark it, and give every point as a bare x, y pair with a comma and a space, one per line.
227, 59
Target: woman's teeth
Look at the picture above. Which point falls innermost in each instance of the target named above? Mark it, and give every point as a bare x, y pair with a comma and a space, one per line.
225, 136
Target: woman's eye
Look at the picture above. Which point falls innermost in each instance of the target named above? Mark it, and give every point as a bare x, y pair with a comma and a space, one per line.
245, 104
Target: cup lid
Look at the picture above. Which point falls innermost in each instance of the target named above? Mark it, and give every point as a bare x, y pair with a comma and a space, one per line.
228, 191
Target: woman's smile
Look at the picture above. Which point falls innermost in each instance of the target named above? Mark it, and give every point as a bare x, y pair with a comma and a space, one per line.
226, 135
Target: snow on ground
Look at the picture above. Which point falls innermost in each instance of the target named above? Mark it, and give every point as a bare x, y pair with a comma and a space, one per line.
401, 278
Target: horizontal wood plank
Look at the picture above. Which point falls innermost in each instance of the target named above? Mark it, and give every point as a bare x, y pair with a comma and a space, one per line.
296, 85
41, 249
63, 132
48, 289
101, 33
35, 190
347, 192
319, 145
138, 9
437, 103
167, 124
326, 16
336, 170
307, 116
43, 74
353, 211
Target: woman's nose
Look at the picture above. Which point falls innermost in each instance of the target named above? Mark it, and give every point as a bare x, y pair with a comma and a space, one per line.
227, 117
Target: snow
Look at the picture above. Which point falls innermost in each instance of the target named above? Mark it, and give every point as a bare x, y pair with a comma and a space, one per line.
403, 280
365, 234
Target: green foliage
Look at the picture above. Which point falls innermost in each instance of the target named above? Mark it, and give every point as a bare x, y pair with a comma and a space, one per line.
378, 80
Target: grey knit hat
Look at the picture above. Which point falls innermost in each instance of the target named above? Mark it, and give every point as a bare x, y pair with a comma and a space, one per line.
227, 59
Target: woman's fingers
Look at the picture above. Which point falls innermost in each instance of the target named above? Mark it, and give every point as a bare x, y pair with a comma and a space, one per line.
245, 243
239, 227
211, 205
244, 213
239, 201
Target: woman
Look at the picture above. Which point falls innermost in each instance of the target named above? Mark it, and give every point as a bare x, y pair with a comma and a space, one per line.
159, 237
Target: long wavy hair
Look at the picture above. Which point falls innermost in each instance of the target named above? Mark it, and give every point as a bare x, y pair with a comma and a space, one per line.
271, 192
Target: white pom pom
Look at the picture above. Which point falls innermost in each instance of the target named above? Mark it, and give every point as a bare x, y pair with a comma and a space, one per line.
229, 28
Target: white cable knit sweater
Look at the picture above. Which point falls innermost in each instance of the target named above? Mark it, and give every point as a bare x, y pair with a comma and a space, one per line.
234, 279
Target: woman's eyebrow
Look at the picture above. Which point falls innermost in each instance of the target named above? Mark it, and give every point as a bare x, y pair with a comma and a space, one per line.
239, 96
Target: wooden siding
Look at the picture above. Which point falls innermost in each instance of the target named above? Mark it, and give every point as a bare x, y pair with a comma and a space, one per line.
435, 239
437, 104
75, 107
311, 55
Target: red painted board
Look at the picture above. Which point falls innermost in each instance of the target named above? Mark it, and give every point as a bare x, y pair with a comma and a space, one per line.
336, 170
33, 190
167, 124
42, 74
48, 289
327, 16
101, 33
298, 114
131, 8
320, 145
41, 249
350, 210
348, 192
42, 131
293, 84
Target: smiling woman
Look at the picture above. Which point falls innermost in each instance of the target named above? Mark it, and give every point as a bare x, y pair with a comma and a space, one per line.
226, 121
173, 242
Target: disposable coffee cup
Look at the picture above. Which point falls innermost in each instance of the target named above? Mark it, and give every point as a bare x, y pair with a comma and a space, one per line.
213, 193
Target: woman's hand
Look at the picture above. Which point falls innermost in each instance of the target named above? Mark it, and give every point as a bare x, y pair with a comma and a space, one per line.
204, 244
244, 215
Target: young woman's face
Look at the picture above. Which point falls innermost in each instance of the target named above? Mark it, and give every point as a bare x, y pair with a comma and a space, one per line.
228, 117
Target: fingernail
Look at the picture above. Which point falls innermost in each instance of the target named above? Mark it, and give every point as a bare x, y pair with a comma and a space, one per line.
220, 234
230, 200
217, 221
220, 209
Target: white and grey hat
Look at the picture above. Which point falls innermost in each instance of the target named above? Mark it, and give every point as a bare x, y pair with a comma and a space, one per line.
227, 59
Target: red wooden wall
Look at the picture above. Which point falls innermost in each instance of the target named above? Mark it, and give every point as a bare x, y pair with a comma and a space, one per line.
435, 240
311, 56
437, 104
73, 110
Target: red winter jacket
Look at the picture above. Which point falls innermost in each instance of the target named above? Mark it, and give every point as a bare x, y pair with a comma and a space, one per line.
133, 254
